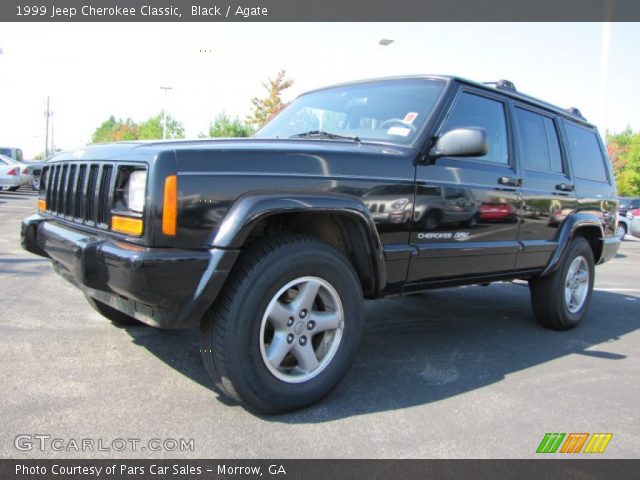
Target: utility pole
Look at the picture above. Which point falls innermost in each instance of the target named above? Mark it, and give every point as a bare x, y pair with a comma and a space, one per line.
164, 112
48, 114
604, 76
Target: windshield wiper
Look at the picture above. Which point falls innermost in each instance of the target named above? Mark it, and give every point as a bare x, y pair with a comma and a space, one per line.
322, 134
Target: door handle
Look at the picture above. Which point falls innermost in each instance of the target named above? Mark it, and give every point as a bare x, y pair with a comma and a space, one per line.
510, 181
565, 187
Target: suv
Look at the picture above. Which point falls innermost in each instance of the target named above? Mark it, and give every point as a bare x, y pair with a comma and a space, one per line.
270, 244
12, 152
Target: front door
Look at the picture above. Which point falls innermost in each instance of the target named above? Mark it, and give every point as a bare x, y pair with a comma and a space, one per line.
465, 220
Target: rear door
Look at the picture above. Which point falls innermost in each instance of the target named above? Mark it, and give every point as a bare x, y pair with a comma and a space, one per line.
465, 223
548, 187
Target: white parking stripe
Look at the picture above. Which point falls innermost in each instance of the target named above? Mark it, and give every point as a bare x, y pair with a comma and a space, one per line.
618, 289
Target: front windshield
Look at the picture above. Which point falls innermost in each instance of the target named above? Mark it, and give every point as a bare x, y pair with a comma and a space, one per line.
387, 110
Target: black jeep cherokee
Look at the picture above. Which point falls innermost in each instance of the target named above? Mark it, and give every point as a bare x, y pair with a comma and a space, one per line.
362, 190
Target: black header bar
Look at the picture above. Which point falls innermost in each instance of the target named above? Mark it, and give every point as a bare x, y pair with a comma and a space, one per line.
318, 11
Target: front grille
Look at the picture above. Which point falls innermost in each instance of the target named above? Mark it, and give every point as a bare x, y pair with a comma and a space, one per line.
81, 192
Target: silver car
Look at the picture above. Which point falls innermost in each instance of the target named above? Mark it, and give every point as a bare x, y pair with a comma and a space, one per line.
26, 174
623, 227
634, 227
9, 177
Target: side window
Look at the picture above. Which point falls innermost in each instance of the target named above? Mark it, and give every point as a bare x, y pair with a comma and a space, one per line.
588, 162
475, 111
539, 145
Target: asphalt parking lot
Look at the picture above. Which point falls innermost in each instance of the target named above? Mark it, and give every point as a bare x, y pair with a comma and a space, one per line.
456, 373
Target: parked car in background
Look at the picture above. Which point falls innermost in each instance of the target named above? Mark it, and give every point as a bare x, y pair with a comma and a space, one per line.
627, 203
36, 172
630, 214
9, 177
623, 227
634, 226
26, 174
12, 152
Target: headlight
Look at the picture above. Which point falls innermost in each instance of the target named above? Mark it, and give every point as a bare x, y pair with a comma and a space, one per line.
400, 204
136, 190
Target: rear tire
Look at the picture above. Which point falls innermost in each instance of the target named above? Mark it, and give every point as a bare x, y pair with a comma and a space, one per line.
286, 326
621, 231
117, 317
560, 300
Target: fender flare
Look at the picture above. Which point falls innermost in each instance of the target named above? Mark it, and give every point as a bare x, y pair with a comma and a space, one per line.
567, 231
249, 209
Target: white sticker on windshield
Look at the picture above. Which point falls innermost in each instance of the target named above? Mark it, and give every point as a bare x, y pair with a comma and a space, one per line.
401, 131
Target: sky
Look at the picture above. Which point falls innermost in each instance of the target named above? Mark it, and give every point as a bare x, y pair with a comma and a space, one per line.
94, 70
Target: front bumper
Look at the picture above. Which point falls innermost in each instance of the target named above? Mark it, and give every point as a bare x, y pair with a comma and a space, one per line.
164, 287
10, 181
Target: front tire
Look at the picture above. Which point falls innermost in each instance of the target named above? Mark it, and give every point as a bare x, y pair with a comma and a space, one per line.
621, 231
286, 326
560, 300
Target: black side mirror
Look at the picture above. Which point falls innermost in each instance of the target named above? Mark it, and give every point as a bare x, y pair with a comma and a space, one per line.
461, 142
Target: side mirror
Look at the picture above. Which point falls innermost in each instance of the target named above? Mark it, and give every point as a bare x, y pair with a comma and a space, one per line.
461, 142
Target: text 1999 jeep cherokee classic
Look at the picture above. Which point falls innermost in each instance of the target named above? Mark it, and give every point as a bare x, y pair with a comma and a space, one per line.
355, 191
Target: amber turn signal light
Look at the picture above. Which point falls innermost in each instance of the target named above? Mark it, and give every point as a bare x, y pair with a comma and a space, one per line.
126, 225
170, 206
42, 204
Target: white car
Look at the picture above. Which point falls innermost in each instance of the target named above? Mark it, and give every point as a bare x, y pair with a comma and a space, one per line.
623, 227
634, 227
9, 177
26, 176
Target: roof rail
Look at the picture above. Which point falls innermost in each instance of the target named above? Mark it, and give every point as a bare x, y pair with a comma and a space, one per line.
503, 84
575, 112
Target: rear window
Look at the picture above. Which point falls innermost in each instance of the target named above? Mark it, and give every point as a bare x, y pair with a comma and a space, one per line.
588, 162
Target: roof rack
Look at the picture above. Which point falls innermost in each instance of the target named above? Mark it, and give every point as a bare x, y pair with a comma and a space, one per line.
575, 112
503, 84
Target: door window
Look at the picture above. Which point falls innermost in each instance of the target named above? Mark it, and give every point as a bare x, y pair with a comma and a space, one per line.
475, 111
538, 139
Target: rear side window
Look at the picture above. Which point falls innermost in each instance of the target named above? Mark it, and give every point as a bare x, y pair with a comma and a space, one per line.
588, 162
539, 145
476, 111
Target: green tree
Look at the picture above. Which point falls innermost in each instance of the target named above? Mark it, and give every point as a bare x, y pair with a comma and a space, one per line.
118, 130
225, 126
151, 129
265, 108
112, 130
624, 151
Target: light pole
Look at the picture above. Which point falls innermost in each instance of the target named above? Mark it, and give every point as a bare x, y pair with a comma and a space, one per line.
164, 112
604, 76
48, 114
